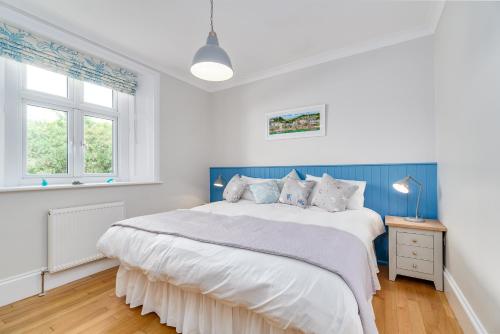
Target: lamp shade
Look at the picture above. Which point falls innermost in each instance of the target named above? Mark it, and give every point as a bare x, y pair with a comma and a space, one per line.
219, 182
403, 185
211, 62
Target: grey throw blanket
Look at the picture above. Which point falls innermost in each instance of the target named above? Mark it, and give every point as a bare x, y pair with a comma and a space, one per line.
331, 249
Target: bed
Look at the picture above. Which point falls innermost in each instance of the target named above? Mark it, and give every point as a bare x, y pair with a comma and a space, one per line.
199, 287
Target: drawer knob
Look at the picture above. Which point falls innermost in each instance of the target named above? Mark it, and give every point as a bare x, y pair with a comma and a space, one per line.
414, 241
414, 253
414, 266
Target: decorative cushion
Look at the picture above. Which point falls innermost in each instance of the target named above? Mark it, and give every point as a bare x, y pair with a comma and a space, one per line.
265, 192
252, 180
247, 194
357, 201
234, 189
333, 195
296, 192
292, 175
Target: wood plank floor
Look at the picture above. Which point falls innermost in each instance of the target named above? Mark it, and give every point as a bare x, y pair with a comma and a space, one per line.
90, 306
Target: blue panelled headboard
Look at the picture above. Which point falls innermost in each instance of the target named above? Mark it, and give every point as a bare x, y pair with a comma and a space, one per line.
379, 194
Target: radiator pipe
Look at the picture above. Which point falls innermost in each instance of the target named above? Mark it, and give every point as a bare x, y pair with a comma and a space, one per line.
42, 293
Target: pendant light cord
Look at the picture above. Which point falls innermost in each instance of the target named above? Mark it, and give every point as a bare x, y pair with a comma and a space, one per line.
212, 15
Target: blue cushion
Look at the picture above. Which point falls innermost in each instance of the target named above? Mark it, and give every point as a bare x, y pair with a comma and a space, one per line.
265, 192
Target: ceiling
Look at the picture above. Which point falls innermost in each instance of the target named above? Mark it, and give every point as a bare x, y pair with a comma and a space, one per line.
262, 37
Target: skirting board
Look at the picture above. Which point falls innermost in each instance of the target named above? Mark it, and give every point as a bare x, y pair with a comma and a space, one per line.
29, 284
464, 313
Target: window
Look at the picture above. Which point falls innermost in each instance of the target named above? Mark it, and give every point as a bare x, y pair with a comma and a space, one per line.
97, 95
62, 129
98, 145
46, 141
44, 81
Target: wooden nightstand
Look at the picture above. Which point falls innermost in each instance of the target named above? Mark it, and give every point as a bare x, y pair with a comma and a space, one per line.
416, 249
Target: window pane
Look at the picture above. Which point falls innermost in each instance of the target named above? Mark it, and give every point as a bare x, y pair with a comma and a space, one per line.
46, 81
46, 141
98, 134
99, 95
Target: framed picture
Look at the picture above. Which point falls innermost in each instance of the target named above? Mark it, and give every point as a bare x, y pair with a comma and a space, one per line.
296, 123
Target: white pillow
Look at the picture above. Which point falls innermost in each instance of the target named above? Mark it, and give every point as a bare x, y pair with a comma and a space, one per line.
357, 201
252, 180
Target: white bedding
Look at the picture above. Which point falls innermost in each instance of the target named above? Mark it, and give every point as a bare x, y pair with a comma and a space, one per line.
290, 293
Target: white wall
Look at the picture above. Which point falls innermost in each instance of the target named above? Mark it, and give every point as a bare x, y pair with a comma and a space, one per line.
467, 82
184, 149
379, 109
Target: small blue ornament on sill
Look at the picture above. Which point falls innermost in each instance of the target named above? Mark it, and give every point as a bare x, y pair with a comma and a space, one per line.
44, 183
110, 180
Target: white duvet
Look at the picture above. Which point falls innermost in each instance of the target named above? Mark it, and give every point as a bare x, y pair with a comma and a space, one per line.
287, 292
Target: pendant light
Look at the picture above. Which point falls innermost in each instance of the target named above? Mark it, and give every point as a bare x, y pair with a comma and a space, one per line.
211, 62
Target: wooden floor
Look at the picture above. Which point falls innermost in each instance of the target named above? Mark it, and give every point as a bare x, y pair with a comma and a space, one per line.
90, 306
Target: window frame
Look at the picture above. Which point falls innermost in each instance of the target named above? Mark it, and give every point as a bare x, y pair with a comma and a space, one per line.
121, 114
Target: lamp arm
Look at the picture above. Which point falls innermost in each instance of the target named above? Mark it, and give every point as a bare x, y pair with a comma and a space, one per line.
419, 194
418, 200
415, 180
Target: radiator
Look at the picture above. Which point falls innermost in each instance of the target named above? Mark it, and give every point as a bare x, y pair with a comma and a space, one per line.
73, 233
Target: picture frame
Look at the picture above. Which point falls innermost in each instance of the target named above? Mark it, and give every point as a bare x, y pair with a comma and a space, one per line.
304, 122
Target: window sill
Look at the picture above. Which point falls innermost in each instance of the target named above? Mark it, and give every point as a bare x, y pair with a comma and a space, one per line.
70, 186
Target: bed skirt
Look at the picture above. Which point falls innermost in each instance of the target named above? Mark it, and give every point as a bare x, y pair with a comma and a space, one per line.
190, 312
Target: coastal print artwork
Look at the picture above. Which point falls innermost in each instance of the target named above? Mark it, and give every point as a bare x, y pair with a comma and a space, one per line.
296, 123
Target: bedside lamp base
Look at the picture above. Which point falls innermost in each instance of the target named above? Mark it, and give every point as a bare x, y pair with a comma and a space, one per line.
415, 219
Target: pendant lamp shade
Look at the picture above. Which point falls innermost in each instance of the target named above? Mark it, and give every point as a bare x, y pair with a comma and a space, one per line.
211, 62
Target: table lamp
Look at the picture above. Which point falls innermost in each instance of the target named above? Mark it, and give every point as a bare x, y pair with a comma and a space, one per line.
403, 186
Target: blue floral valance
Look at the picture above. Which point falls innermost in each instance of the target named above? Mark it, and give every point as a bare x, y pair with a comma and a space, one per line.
26, 47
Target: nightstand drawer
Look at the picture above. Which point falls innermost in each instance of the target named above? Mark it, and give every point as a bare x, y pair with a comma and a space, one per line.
426, 267
413, 239
419, 253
